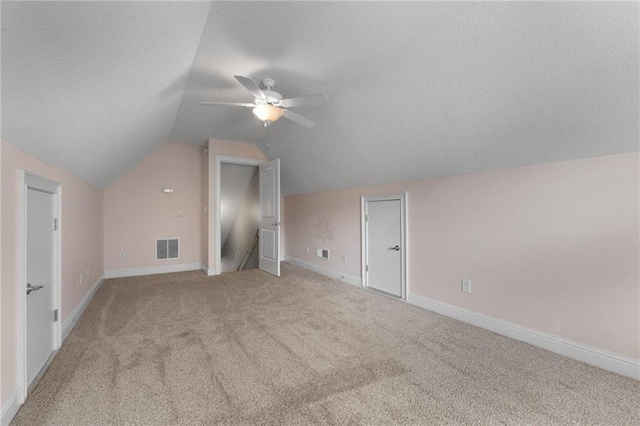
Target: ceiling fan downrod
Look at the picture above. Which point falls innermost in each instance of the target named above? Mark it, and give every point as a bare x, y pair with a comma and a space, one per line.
268, 83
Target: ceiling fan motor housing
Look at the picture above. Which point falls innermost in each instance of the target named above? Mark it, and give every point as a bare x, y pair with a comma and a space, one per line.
271, 97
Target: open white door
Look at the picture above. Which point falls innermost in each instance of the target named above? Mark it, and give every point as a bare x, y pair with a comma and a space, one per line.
270, 217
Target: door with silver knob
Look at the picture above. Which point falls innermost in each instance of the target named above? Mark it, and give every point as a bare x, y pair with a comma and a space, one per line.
39, 302
384, 256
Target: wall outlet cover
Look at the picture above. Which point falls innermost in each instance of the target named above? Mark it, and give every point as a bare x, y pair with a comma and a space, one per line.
466, 285
122, 255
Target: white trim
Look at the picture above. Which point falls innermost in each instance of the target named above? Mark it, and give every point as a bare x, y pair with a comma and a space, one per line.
27, 180
21, 279
210, 272
601, 358
77, 312
150, 270
219, 159
40, 184
349, 279
363, 240
10, 407
204, 269
402, 197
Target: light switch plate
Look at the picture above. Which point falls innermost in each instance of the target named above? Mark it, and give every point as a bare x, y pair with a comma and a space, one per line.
466, 285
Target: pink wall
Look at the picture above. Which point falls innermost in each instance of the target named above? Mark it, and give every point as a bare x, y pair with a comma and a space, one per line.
552, 247
229, 149
81, 246
137, 212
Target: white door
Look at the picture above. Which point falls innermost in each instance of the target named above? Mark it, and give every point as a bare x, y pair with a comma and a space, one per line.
269, 241
40, 279
384, 264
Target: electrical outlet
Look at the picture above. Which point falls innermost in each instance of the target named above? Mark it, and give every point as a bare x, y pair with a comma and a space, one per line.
307, 249
81, 279
466, 285
122, 255
344, 258
237, 255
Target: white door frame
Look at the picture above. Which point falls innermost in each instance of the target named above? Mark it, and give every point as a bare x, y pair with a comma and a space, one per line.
219, 159
402, 196
30, 180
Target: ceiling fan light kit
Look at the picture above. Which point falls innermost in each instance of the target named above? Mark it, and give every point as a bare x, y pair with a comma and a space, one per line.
269, 106
268, 113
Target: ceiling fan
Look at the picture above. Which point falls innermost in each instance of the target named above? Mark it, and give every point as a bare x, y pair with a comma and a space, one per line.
268, 106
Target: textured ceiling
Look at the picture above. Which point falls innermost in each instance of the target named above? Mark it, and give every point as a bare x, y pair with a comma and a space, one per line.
94, 87
417, 89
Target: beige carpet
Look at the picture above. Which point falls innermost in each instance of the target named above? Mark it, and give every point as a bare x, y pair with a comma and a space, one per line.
248, 348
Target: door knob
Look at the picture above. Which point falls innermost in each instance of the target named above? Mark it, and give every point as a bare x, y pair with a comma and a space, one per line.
276, 224
31, 288
396, 248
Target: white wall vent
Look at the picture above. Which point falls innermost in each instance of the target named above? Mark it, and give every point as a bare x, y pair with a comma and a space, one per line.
168, 249
322, 253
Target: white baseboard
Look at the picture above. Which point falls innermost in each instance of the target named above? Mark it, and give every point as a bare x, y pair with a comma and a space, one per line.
77, 312
10, 407
210, 272
349, 279
601, 358
594, 356
163, 269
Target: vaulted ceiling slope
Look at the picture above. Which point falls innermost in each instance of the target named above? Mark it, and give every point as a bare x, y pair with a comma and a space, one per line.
94, 87
418, 89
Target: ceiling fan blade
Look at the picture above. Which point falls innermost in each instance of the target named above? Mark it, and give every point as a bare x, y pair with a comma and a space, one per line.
228, 103
305, 100
251, 86
303, 121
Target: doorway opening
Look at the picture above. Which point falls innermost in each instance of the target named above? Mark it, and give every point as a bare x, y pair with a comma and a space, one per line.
239, 217
268, 242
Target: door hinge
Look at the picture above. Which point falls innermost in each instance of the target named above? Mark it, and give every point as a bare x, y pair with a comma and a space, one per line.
55, 315
366, 218
55, 223
367, 268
